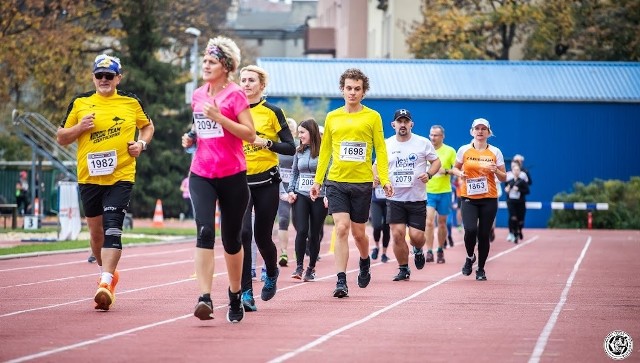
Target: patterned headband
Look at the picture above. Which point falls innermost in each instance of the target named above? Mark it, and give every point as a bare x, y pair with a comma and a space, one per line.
215, 51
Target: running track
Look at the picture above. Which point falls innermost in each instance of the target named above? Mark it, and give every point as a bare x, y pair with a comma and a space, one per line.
552, 298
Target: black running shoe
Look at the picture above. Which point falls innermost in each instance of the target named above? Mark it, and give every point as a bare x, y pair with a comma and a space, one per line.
309, 275
429, 257
481, 275
341, 289
468, 264
384, 258
364, 277
418, 258
236, 310
91, 259
440, 257
402, 275
204, 309
450, 241
297, 274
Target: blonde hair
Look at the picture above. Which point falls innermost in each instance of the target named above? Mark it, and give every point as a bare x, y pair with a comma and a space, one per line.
263, 76
223, 47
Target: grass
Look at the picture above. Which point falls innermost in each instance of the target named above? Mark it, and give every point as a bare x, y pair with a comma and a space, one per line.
148, 237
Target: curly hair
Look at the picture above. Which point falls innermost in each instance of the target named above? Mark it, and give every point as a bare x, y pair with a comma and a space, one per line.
355, 73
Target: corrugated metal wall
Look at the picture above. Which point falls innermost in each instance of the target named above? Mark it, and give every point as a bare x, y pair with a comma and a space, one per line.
563, 142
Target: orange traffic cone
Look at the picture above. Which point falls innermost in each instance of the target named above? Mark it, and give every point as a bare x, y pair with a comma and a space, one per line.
158, 218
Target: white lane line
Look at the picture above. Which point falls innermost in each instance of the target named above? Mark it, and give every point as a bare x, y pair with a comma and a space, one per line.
96, 274
324, 338
543, 338
84, 260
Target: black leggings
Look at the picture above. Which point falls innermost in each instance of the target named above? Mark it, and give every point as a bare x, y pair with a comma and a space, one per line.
517, 210
232, 195
309, 219
264, 200
477, 217
379, 222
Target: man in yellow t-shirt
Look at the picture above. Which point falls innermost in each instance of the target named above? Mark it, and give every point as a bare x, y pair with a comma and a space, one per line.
104, 123
439, 194
351, 133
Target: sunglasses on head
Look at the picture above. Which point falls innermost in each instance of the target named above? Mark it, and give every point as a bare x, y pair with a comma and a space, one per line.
101, 75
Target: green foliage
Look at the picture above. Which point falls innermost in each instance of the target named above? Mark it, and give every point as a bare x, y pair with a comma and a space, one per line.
300, 110
623, 199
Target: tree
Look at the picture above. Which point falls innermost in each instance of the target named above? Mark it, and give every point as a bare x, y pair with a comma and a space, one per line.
587, 30
470, 29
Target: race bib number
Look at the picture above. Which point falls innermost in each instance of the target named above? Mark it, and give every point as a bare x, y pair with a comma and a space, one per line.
285, 175
102, 163
402, 178
353, 151
205, 127
477, 186
305, 182
379, 192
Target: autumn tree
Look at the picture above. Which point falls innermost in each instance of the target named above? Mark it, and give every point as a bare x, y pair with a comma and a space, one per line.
471, 29
586, 30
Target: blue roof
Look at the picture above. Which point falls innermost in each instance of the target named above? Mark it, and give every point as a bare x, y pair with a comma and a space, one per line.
459, 80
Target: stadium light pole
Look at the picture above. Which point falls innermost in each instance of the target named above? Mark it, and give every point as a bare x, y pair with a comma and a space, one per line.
194, 60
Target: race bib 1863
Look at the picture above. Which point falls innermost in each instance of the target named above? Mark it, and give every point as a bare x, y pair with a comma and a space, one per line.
477, 186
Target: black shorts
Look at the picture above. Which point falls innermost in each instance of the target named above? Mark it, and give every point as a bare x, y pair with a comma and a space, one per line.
413, 214
96, 198
352, 198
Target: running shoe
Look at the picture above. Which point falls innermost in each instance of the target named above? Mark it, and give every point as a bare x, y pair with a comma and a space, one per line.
511, 237
309, 274
297, 274
450, 240
253, 274
384, 258
269, 289
204, 309
341, 289
236, 311
374, 253
248, 302
468, 264
364, 277
402, 275
481, 275
418, 258
91, 259
284, 259
440, 256
429, 257
263, 274
104, 297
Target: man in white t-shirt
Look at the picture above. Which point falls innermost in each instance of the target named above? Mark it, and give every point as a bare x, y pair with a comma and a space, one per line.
408, 155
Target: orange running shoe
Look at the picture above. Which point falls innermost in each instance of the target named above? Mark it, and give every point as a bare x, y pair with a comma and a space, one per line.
114, 282
104, 297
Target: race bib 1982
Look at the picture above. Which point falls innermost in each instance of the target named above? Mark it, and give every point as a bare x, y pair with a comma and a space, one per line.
102, 163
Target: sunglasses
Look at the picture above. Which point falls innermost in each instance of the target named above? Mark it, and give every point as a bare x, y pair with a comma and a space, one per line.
108, 76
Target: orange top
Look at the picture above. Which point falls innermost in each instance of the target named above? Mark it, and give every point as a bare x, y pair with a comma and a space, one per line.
480, 182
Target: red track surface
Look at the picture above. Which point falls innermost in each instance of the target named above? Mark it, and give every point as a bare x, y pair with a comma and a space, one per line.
552, 298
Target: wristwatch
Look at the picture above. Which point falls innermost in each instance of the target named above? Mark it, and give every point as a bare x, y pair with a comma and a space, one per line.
430, 176
269, 143
144, 144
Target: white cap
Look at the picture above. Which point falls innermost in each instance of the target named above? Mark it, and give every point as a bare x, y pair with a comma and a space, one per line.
518, 157
480, 121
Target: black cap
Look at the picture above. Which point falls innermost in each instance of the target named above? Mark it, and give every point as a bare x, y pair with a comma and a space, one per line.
402, 113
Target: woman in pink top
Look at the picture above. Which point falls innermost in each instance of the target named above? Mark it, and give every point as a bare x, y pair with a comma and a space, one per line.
221, 120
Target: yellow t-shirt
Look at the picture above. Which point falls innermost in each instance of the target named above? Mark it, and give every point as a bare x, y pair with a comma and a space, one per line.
268, 120
441, 183
103, 156
348, 141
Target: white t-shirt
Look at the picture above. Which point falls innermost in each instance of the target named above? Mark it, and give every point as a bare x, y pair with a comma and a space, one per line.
407, 160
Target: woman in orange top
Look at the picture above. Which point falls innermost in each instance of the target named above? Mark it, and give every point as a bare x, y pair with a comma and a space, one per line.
477, 165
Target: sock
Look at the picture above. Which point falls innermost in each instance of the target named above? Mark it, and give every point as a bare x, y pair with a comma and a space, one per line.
471, 257
429, 251
440, 249
106, 278
234, 295
100, 270
342, 276
404, 267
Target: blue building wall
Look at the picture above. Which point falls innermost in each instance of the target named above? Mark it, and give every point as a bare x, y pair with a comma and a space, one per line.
563, 142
